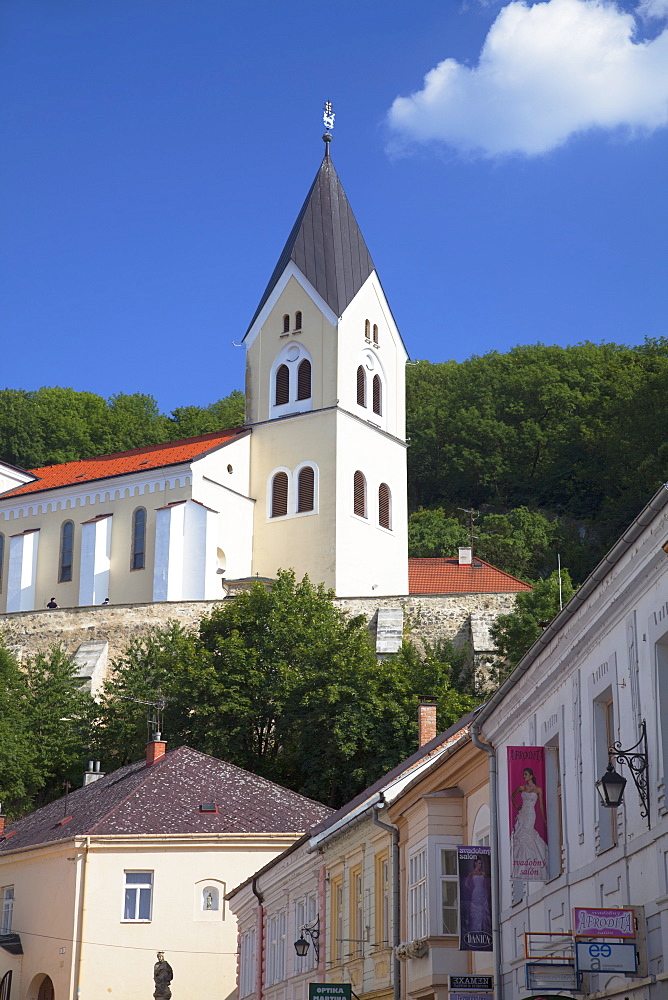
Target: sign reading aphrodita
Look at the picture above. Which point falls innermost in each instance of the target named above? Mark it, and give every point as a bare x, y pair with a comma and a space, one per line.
528, 819
329, 991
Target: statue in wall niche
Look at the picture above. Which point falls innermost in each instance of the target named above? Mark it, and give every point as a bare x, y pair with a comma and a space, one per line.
162, 977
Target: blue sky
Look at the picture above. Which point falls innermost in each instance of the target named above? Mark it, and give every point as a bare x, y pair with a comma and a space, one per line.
157, 152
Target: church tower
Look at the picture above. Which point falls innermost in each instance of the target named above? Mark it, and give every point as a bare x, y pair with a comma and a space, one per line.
325, 397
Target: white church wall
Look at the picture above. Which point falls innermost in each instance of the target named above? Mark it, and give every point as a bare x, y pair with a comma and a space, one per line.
22, 574
95, 560
221, 481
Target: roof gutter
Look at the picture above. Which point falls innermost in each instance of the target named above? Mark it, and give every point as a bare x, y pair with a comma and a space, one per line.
345, 821
619, 549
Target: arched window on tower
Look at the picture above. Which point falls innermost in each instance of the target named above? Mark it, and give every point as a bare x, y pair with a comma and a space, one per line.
286, 323
377, 395
359, 494
282, 394
304, 379
305, 490
384, 506
367, 329
298, 320
375, 333
66, 552
138, 559
361, 386
279, 495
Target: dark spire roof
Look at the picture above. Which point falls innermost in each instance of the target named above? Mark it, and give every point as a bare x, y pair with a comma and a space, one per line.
326, 244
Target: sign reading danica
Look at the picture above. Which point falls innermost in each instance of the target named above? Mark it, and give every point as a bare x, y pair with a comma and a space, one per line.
475, 898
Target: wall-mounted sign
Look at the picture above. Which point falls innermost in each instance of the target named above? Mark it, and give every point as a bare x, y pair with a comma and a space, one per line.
549, 996
552, 976
471, 996
603, 923
471, 982
599, 956
329, 991
528, 818
474, 865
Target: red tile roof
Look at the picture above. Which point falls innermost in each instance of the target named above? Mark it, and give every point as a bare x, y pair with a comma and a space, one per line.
446, 576
155, 456
166, 797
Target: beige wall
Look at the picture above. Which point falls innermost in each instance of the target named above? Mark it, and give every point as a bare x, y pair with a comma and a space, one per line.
117, 957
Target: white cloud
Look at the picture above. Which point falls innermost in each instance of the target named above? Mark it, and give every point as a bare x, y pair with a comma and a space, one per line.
545, 73
654, 9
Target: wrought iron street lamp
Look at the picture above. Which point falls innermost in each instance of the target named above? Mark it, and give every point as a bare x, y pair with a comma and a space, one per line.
611, 785
309, 934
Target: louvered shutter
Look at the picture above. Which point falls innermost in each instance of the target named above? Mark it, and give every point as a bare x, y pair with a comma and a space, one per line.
298, 321
377, 395
384, 506
282, 385
286, 323
375, 333
279, 495
361, 387
305, 490
304, 380
359, 499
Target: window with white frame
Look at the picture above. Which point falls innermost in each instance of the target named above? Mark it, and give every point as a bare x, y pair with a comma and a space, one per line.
305, 915
7, 909
449, 894
247, 962
138, 903
604, 737
418, 923
276, 947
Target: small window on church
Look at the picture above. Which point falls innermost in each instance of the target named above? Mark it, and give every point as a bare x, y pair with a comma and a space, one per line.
306, 490
377, 395
359, 494
304, 379
298, 321
66, 552
361, 387
279, 495
384, 506
375, 333
286, 323
138, 560
367, 329
282, 385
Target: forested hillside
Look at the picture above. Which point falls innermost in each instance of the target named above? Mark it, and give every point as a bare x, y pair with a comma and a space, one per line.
555, 448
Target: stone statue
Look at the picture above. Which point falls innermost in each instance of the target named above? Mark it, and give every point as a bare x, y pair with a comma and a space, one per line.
162, 976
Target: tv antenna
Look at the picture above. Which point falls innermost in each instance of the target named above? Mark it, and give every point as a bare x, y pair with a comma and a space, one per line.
473, 514
154, 719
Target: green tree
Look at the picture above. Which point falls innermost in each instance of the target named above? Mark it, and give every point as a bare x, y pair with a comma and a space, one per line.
520, 542
514, 633
191, 421
434, 533
17, 757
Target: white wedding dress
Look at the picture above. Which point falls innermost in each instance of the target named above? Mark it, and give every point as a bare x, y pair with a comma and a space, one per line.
529, 850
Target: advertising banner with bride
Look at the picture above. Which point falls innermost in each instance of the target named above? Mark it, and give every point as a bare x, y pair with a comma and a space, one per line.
528, 817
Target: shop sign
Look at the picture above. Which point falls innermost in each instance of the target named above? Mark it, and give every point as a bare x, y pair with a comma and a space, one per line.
552, 976
527, 811
603, 923
329, 991
599, 956
471, 982
471, 996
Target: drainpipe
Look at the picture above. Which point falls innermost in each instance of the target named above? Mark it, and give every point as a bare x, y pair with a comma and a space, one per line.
494, 841
259, 942
78, 948
396, 901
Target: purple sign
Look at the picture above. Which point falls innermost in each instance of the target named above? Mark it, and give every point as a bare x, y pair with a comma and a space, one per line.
475, 898
603, 923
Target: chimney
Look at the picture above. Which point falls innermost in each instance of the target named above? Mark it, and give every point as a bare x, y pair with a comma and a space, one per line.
426, 720
155, 750
2, 822
93, 772
465, 555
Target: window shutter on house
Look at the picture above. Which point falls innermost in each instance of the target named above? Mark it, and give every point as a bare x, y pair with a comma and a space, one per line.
384, 506
304, 380
361, 387
359, 491
377, 395
279, 495
282, 385
306, 490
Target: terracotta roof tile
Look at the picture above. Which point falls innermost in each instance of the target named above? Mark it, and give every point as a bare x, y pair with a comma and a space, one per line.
165, 798
446, 576
155, 456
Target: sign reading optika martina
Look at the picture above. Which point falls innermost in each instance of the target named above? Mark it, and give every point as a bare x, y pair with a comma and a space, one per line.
329, 991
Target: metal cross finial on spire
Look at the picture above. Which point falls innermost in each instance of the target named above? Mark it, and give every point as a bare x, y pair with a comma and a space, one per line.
328, 121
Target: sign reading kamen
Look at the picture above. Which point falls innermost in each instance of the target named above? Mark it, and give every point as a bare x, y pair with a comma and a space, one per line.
471, 982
